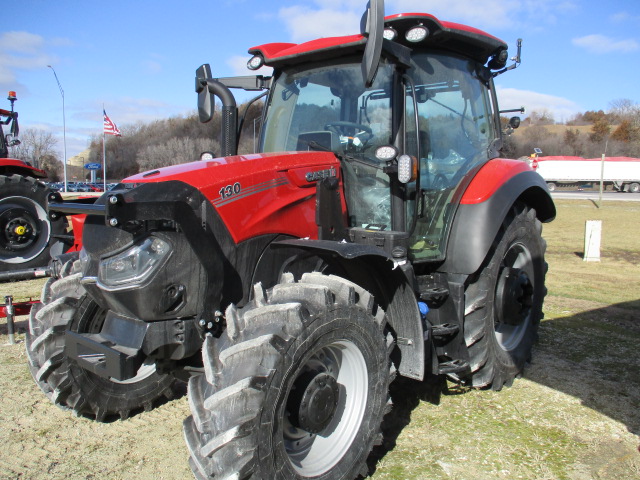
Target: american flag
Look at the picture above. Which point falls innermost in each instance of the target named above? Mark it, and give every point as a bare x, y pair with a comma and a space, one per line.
110, 128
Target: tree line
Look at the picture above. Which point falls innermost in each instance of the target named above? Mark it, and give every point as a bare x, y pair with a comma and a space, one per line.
167, 142
146, 146
615, 133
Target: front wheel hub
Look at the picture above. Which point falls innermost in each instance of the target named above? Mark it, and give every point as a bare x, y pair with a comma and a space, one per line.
313, 403
19, 229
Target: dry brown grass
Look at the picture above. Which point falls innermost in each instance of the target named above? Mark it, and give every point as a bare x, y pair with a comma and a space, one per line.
574, 415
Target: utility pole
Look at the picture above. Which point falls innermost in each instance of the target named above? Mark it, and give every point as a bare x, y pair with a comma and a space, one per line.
64, 127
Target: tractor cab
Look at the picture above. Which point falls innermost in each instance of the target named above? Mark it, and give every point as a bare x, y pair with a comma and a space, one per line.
409, 140
405, 143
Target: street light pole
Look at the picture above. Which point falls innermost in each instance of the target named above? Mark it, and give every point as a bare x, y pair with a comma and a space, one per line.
64, 128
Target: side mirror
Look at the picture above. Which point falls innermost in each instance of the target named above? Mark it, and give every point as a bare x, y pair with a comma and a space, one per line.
372, 26
514, 122
15, 129
206, 101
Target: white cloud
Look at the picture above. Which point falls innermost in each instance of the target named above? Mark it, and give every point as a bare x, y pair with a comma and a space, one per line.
619, 17
305, 23
326, 18
622, 17
21, 42
488, 14
562, 108
602, 44
21, 51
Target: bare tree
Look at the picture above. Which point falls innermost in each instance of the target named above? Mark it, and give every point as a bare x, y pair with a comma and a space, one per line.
53, 167
624, 108
174, 152
541, 117
35, 144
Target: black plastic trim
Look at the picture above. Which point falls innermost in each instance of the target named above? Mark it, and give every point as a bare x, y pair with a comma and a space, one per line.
476, 225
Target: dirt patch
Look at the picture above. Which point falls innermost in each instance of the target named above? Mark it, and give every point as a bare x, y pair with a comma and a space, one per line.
42, 441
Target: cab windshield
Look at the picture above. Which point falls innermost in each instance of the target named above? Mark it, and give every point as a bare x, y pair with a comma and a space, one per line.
328, 109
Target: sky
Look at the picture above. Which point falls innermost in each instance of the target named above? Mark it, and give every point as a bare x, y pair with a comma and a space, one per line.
137, 58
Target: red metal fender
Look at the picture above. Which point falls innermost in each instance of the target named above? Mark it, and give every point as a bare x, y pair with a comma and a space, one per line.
493, 175
13, 165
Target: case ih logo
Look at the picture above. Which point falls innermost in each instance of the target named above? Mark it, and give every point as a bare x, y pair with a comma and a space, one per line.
320, 174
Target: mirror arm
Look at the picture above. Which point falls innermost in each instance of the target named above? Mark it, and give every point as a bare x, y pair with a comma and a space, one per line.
206, 87
517, 60
521, 110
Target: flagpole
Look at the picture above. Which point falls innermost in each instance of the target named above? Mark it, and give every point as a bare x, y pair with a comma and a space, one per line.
104, 154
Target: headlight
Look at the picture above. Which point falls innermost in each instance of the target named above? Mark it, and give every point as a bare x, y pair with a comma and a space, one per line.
135, 265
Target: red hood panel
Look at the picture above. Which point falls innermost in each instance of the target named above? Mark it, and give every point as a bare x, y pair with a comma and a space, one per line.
257, 194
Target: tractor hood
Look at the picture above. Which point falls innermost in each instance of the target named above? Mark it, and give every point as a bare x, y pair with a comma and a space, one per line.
256, 194
205, 215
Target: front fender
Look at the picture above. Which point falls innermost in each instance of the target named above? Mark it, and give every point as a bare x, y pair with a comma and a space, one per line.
483, 207
374, 270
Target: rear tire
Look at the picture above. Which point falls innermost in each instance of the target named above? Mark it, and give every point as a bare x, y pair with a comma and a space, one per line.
296, 387
25, 228
66, 305
503, 302
634, 187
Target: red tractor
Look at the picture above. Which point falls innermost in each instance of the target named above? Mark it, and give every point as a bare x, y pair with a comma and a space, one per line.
378, 232
28, 236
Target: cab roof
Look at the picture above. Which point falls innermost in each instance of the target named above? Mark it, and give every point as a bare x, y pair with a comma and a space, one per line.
453, 37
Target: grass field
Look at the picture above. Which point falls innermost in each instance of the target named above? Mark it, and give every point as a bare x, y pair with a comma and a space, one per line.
574, 415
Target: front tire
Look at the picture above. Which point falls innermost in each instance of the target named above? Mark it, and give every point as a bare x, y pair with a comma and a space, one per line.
503, 302
66, 306
295, 388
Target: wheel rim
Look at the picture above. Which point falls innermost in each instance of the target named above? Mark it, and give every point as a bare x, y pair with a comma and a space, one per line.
312, 454
24, 229
514, 297
147, 369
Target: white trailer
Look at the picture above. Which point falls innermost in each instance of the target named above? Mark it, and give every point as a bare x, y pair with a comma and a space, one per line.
622, 173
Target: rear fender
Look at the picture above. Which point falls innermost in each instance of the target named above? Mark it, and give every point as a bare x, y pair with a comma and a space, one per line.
375, 271
485, 204
12, 166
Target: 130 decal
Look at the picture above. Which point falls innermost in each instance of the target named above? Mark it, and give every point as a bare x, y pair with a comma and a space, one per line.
230, 190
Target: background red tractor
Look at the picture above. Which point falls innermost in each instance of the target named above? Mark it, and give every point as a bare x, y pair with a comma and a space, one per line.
28, 235
378, 232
